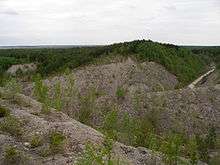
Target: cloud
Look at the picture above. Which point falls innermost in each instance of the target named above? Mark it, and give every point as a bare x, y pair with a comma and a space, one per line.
99, 22
9, 12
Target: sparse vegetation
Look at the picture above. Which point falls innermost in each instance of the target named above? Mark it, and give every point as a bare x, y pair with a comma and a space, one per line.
87, 107
12, 86
36, 141
58, 97
41, 93
99, 155
12, 126
4, 112
120, 93
171, 147
57, 142
12, 156
191, 149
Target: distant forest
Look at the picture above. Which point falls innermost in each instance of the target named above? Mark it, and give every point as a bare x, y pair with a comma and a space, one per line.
186, 63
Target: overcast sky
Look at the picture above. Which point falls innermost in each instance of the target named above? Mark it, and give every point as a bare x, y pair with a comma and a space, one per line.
34, 22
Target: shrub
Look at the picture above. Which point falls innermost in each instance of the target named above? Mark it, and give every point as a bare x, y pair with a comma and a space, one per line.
191, 148
58, 97
13, 86
171, 147
120, 93
36, 141
87, 107
202, 148
57, 141
11, 125
4, 112
211, 138
11, 155
127, 125
110, 125
40, 90
99, 155
41, 93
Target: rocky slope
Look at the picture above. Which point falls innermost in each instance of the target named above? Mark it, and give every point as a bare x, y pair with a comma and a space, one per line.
182, 110
136, 88
33, 122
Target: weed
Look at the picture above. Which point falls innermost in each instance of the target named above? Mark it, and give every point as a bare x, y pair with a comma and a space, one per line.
87, 107
171, 147
98, 155
11, 125
40, 90
192, 150
202, 148
120, 93
41, 93
36, 141
127, 126
58, 97
211, 138
13, 156
4, 112
13, 86
110, 125
57, 141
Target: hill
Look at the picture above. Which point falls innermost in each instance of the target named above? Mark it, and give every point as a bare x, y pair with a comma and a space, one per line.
126, 103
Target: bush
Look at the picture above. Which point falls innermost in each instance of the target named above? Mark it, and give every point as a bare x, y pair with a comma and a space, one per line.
191, 148
87, 107
57, 142
11, 125
211, 138
202, 148
40, 90
120, 93
171, 147
99, 155
13, 86
41, 93
36, 141
4, 112
13, 157
58, 97
110, 125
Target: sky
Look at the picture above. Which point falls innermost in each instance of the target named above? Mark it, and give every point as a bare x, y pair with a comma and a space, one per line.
77, 22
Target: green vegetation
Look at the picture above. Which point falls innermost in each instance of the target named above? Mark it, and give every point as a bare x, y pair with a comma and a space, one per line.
99, 155
4, 112
41, 93
36, 141
209, 54
12, 156
171, 147
12, 126
87, 107
57, 142
12, 86
191, 149
120, 93
58, 97
180, 61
